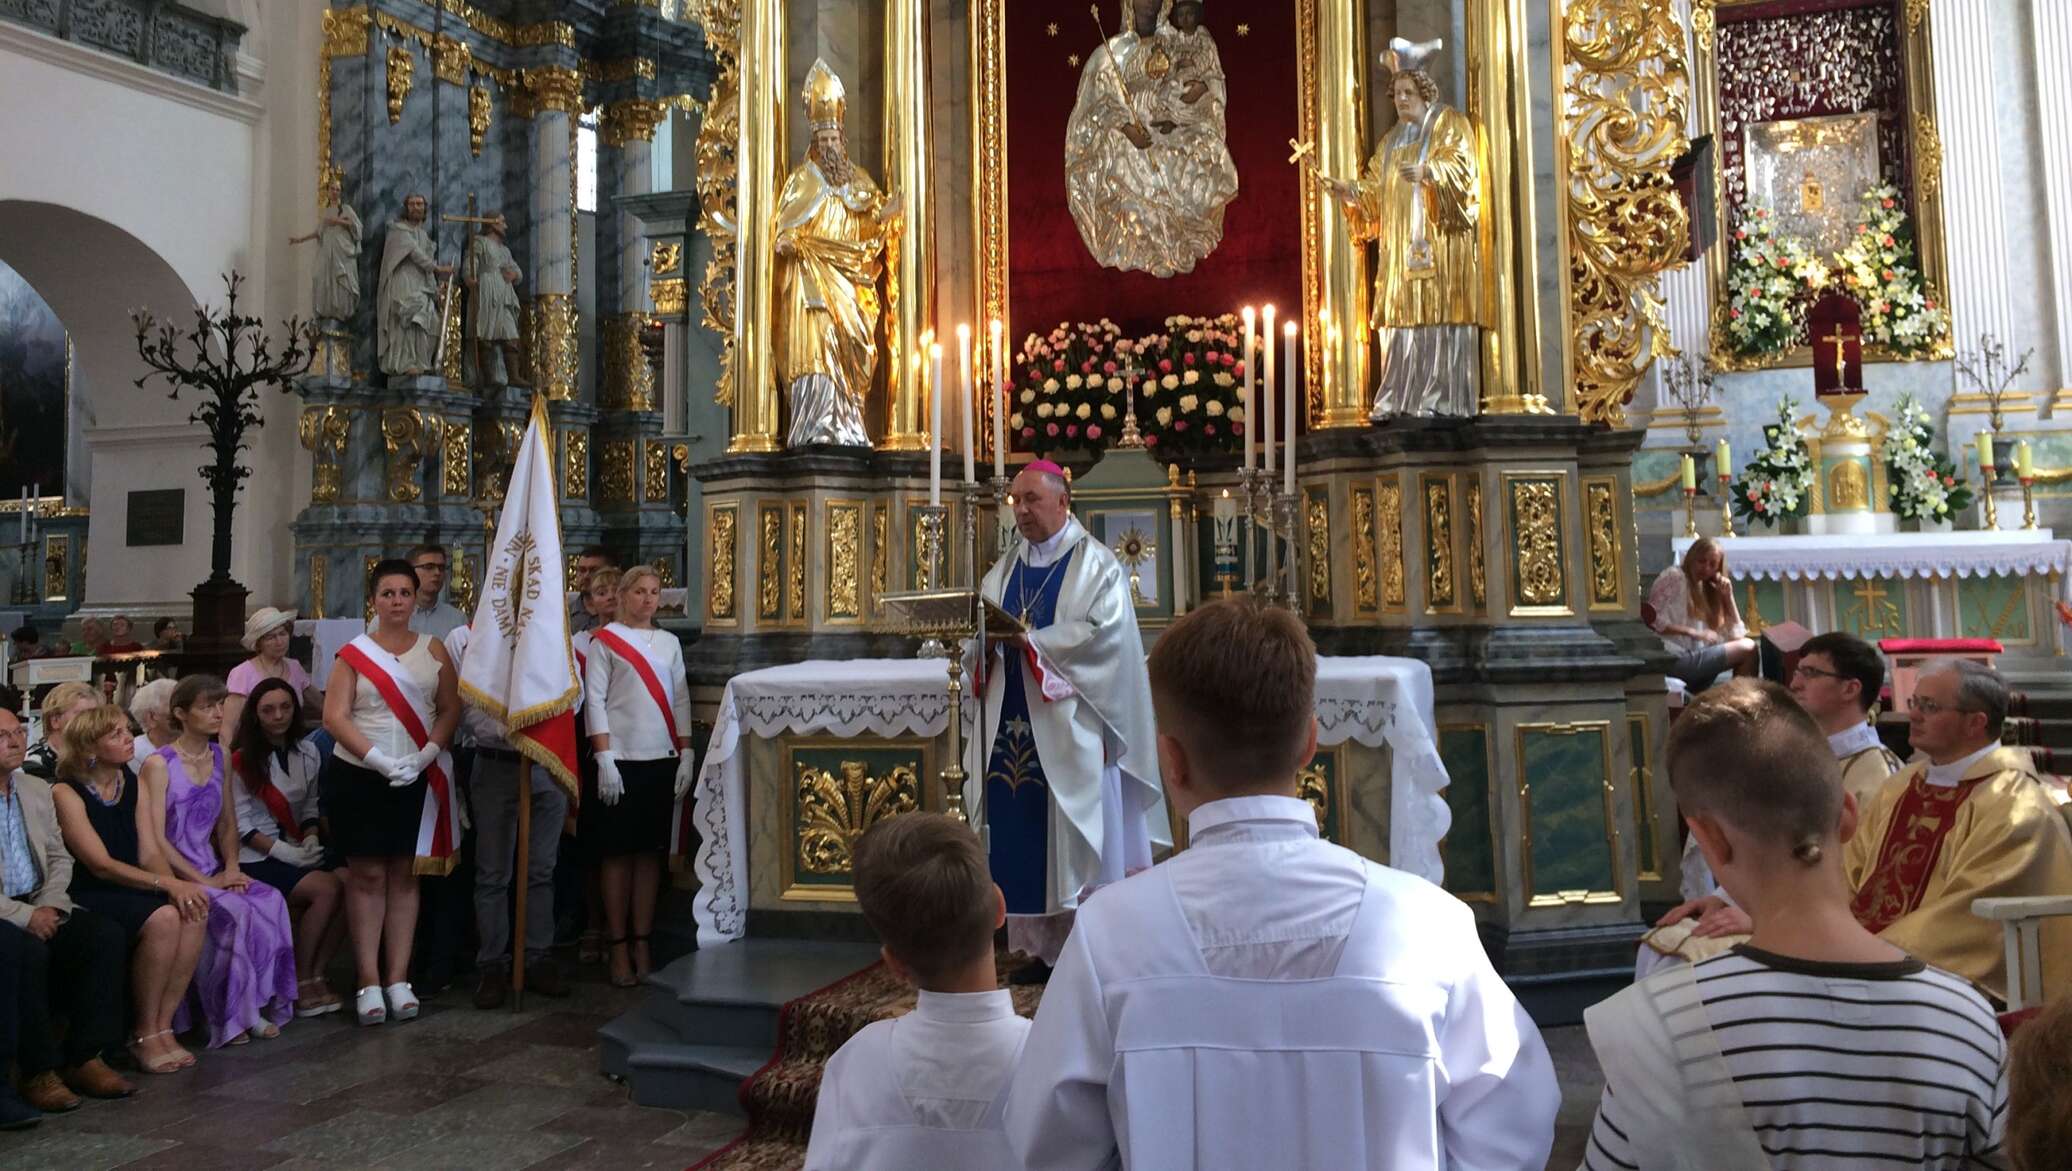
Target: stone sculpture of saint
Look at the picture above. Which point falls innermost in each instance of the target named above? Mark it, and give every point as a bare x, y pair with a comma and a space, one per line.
335, 290
492, 277
1421, 199
1147, 171
831, 229
407, 325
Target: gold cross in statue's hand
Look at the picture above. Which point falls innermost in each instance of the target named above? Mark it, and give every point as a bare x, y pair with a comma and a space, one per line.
1302, 150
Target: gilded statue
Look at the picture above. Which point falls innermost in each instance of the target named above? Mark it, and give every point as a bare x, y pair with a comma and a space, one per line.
1147, 170
408, 311
1421, 199
492, 277
335, 290
831, 231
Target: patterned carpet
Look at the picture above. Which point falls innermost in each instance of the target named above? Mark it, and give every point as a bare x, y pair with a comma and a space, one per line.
779, 1096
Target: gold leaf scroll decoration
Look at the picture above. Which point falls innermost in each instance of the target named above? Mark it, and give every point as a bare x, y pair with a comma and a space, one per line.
835, 810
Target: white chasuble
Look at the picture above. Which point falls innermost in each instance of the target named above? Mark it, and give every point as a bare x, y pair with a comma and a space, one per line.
1268, 999
1089, 700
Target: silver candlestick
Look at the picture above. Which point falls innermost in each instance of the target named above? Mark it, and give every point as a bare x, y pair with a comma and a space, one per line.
1285, 516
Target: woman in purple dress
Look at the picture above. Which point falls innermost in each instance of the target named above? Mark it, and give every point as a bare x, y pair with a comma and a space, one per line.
246, 979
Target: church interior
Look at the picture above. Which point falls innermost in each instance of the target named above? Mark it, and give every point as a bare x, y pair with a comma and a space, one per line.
1448, 327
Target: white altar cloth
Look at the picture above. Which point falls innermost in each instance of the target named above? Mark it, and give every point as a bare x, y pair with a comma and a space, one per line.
1893, 555
1374, 700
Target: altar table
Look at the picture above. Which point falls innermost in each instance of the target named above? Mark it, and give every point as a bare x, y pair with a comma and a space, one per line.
1999, 585
1372, 701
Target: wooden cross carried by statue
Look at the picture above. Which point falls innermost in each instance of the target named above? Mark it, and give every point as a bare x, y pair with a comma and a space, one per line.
1836, 327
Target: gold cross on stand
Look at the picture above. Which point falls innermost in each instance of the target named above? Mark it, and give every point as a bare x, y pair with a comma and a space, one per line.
1879, 616
1841, 341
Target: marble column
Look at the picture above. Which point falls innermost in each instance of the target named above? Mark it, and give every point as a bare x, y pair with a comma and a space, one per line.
2053, 40
555, 349
1975, 228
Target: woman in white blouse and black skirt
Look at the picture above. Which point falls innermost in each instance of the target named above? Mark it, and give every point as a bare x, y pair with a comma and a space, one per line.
637, 707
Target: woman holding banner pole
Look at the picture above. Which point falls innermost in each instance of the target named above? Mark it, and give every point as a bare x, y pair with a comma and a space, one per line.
392, 704
637, 708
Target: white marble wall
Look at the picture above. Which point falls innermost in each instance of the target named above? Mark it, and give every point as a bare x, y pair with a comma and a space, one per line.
2051, 29
1968, 64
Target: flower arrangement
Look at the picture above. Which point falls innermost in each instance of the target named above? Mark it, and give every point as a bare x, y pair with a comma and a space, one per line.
1068, 387
1778, 483
1879, 270
1768, 277
1925, 484
1190, 386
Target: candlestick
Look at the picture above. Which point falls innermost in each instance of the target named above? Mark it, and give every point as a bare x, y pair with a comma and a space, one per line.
1689, 474
934, 425
1290, 396
1266, 398
1690, 504
1000, 401
25, 516
1985, 483
1726, 505
1251, 416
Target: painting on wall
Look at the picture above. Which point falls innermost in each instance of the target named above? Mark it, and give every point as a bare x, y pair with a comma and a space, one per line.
35, 368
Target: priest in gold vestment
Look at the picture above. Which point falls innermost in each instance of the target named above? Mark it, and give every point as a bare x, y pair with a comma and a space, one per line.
831, 229
1967, 819
1421, 199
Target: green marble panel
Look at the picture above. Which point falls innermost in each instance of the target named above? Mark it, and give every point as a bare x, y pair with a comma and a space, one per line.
1994, 607
1468, 848
1564, 769
1762, 603
1872, 608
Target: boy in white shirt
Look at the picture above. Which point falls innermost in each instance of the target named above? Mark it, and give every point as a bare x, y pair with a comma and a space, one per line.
925, 1089
1265, 998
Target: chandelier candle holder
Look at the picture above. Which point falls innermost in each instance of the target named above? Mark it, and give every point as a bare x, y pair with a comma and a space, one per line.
1003, 510
1248, 522
1285, 515
1224, 517
1690, 494
1691, 388
930, 523
2025, 474
1985, 480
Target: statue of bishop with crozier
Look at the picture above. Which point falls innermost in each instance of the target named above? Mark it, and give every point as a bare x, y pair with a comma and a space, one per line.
1070, 792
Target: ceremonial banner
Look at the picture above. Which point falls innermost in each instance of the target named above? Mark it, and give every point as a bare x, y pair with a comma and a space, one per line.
519, 667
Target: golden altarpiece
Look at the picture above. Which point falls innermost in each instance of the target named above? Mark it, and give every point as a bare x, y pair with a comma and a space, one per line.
1499, 549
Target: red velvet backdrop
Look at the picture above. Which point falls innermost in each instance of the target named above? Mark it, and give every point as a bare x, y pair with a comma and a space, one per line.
1051, 276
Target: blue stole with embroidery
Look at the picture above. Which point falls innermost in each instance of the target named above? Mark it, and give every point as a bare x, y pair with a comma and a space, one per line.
1017, 793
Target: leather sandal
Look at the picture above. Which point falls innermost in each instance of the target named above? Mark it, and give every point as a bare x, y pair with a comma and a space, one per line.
164, 1062
631, 981
369, 1007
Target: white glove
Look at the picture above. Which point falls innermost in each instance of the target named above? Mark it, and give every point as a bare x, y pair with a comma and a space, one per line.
425, 757
684, 772
610, 786
283, 850
399, 772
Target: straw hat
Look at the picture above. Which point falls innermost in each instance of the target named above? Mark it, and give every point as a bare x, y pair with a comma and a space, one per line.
262, 622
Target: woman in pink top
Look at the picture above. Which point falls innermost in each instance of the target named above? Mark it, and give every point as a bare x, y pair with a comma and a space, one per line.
266, 636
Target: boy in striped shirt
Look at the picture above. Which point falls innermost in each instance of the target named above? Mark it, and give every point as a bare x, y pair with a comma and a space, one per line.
1815, 1044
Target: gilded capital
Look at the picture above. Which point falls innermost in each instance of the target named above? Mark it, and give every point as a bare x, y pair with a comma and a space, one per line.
554, 88
632, 120
345, 32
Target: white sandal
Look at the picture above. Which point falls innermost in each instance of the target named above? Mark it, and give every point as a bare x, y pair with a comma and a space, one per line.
402, 1002
367, 1005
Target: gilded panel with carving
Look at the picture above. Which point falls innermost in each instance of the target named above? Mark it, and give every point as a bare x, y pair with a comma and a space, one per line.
1603, 553
1317, 521
1366, 582
719, 576
1388, 504
1539, 580
1442, 587
844, 561
795, 567
769, 563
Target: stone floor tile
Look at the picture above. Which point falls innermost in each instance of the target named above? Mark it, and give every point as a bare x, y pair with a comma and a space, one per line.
573, 1029
605, 1155
543, 1065
359, 1137
705, 1130
247, 1124
482, 1149
192, 1156
503, 1107
405, 1093
52, 1146
625, 1124
300, 1083
468, 1023
157, 1104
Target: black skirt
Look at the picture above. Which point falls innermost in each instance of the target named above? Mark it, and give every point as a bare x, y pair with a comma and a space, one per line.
369, 817
281, 876
128, 908
639, 823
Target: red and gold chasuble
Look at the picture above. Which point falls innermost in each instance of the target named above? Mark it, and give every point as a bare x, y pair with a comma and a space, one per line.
1906, 857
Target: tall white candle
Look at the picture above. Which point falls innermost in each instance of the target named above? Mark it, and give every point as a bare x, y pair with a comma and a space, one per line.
1291, 394
1251, 416
998, 389
1266, 396
25, 516
970, 401
934, 423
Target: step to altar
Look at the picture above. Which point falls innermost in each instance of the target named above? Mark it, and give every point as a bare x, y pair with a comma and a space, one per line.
709, 1019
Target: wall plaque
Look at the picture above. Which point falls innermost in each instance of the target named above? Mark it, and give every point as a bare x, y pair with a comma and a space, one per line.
157, 517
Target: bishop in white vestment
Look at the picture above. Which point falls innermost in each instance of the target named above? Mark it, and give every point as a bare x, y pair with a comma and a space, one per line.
1070, 789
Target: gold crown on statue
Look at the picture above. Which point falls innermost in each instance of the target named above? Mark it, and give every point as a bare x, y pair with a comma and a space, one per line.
826, 101
1410, 56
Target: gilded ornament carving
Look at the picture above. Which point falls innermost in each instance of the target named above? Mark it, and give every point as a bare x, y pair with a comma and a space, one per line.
629, 382
1536, 540
795, 567
345, 32
551, 32
718, 171
834, 811
881, 549
462, 588
1928, 157
496, 450
719, 575
844, 562
1388, 502
451, 59
655, 460
319, 583
553, 88
624, 69
1625, 87
367, 564
1704, 23
401, 66
615, 484
1313, 784
1847, 488
769, 563
632, 120
1319, 529
410, 437
665, 569
671, 297
324, 431
1440, 587
1478, 572
1366, 585
575, 464
57, 553
1601, 524
459, 442
478, 118
1917, 12
556, 353
664, 259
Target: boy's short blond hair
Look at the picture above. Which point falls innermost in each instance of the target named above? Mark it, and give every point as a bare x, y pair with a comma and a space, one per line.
924, 886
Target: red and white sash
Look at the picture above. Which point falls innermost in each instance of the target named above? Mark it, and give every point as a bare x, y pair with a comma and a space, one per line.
658, 690
269, 795
438, 825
